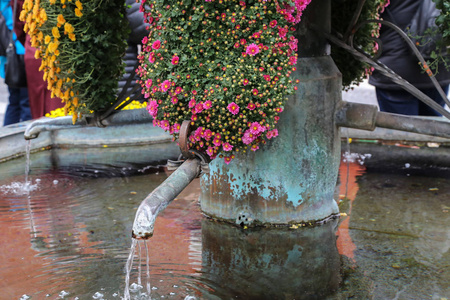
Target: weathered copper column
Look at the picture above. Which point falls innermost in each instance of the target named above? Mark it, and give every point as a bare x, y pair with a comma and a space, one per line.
292, 178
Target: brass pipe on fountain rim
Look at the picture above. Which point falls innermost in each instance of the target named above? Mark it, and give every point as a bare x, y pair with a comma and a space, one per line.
122, 117
367, 117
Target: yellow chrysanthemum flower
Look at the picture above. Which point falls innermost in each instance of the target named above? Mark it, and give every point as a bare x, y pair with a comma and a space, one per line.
61, 19
72, 37
23, 14
53, 46
47, 39
79, 5
43, 15
68, 28
55, 33
78, 12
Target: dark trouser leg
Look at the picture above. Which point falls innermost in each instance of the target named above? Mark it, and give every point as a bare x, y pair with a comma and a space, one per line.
25, 112
402, 102
12, 114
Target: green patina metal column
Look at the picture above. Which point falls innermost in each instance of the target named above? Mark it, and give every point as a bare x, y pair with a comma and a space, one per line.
292, 178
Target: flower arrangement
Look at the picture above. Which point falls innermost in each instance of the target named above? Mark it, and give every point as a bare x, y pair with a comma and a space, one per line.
80, 43
354, 71
225, 65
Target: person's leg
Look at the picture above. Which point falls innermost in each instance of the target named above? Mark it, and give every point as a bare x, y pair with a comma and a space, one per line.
397, 102
425, 110
25, 112
12, 114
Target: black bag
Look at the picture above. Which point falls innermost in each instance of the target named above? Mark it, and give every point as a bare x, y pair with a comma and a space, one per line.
15, 74
4, 35
423, 30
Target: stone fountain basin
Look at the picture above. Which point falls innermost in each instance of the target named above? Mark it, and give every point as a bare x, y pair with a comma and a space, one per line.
114, 146
146, 144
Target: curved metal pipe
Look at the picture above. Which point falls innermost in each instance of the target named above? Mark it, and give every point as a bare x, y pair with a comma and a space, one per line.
367, 117
134, 116
162, 196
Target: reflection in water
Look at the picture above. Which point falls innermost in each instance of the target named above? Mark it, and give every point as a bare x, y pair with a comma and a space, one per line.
270, 263
71, 237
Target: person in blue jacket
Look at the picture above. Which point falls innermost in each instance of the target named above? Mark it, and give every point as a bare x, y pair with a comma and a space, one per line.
18, 108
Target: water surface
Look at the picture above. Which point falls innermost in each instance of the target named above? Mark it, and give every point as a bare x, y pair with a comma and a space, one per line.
69, 237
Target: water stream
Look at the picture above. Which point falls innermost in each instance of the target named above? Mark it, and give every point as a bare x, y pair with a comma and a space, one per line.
70, 239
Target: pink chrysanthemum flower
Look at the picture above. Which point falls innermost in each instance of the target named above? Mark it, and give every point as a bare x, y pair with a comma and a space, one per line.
165, 86
156, 44
210, 151
198, 107
152, 108
151, 57
272, 133
176, 127
175, 60
207, 134
227, 159
252, 49
233, 108
164, 124
227, 147
178, 90
256, 128
248, 137
254, 147
207, 104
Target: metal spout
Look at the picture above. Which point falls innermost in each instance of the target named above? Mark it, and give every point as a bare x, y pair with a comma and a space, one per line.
162, 196
34, 129
135, 116
367, 117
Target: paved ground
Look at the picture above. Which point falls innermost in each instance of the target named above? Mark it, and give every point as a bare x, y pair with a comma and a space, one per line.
364, 94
